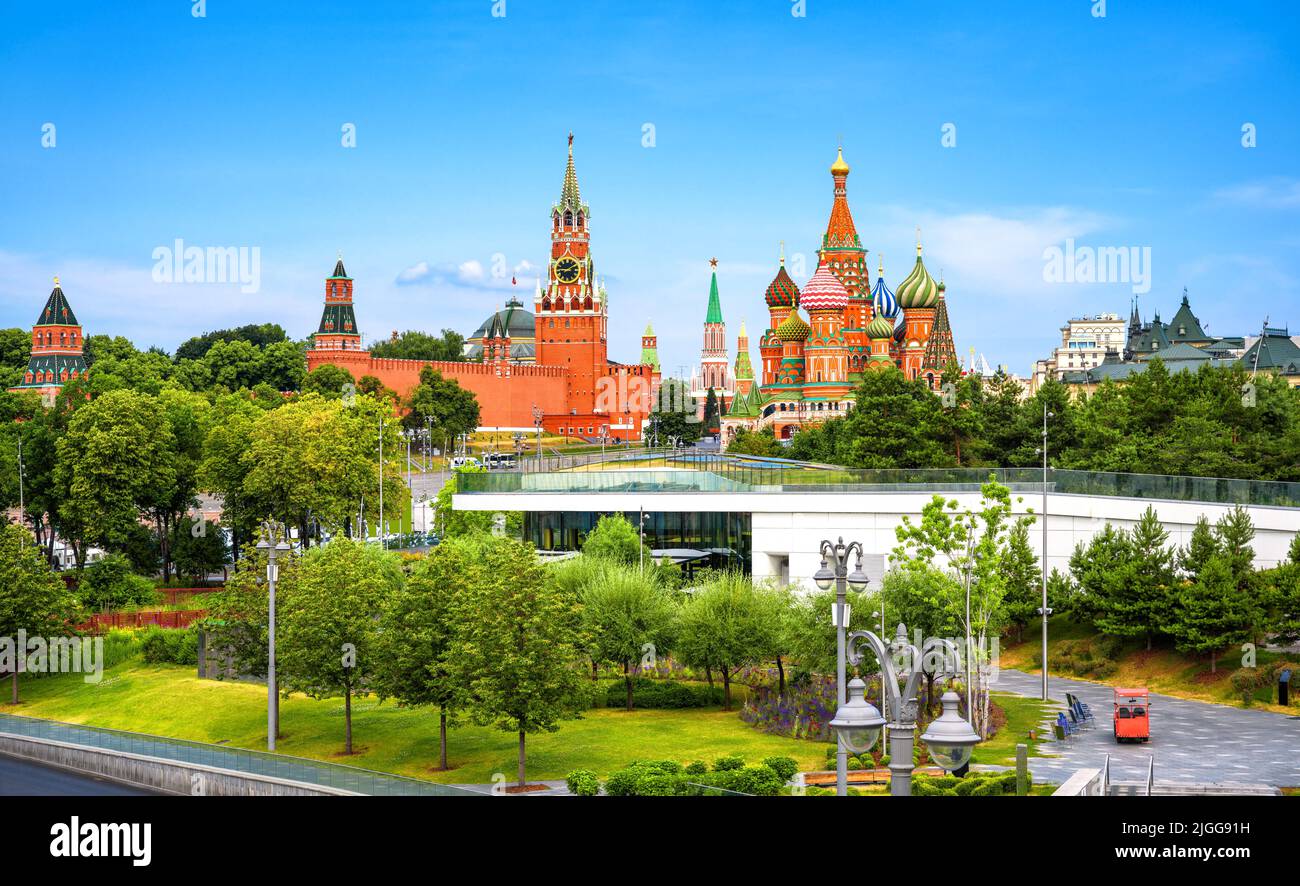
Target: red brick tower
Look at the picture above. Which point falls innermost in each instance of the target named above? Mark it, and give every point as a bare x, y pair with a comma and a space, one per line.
571, 312
56, 349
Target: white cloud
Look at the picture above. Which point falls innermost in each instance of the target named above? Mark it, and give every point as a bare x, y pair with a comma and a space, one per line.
1273, 193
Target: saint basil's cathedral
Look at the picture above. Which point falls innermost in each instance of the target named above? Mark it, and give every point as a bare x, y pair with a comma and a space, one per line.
810, 368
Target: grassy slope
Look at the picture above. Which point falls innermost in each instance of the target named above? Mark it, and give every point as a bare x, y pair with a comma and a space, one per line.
169, 700
1160, 670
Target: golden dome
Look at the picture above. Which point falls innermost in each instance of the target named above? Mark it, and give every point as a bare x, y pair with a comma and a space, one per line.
839, 167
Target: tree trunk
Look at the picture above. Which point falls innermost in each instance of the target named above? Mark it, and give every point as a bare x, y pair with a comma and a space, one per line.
708, 673
347, 718
522, 782
1213, 669
442, 738
726, 689
780, 677
627, 678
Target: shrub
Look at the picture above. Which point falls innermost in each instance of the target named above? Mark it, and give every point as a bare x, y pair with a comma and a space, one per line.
761, 781
583, 783
986, 787
664, 694
170, 646
656, 784
785, 767
1247, 681
109, 583
728, 763
699, 767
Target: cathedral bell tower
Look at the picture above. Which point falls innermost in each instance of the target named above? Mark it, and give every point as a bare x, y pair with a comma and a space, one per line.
571, 311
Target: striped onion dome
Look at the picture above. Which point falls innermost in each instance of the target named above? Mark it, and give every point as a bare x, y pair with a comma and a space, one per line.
883, 303
823, 292
782, 291
793, 328
919, 289
880, 327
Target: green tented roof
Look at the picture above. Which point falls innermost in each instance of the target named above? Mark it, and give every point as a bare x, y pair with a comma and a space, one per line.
715, 304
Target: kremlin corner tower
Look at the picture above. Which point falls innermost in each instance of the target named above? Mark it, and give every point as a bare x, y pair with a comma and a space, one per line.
57, 355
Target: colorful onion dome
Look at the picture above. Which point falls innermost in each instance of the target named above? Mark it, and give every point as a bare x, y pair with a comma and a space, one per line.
883, 303
782, 291
793, 328
824, 292
919, 289
881, 327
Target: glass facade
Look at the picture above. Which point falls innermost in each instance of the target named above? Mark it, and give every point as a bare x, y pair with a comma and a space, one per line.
726, 538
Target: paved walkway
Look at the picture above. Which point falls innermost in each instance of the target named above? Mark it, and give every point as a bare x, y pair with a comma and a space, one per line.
1192, 741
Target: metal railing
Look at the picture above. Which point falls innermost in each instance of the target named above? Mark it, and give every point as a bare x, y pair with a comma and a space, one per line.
302, 769
1105, 777
694, 472
1151, 774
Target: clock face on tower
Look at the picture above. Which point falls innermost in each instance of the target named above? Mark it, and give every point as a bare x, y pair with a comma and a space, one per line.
566, 270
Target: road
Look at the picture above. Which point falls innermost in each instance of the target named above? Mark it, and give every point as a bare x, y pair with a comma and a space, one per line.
23, 778
1192, 741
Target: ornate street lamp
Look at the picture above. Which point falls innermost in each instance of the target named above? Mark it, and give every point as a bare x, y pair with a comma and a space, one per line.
949, 739
273, 550
839, 553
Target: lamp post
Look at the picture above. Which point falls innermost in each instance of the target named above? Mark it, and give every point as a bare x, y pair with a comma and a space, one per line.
273, 551
1044, 611
824, 578
857, 723
537, 423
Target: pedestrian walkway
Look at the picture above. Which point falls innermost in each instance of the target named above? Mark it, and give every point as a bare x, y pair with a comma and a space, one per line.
1192, 741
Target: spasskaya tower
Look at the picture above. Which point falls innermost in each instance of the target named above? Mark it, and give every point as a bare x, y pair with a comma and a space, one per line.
572, 314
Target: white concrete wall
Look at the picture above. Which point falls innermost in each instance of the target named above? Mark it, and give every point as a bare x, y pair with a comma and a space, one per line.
789, 526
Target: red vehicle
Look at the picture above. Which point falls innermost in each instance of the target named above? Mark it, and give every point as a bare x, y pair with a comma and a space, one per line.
1132, 715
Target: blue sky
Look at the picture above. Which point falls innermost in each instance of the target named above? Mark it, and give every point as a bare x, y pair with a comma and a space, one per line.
225, 130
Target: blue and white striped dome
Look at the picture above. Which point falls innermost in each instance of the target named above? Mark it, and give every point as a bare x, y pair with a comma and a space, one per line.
883, 303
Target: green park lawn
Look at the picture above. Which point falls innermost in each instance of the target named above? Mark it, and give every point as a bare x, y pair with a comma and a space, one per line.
170, 700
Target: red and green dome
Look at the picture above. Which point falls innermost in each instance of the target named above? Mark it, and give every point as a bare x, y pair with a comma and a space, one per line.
782, 291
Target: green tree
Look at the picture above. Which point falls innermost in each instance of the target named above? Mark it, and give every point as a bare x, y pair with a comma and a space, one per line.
973, 545
712, 413
1024, 580
416, 635
762, 442
516, 645
116, 459
630, 617
328, 380
726, 625
1212, 612
452, 523
329, 622
415, 345
616, 539
199, 549
442, 406
15, 350
32, 598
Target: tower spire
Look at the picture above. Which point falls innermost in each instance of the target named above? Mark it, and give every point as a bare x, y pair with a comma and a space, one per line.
569, 195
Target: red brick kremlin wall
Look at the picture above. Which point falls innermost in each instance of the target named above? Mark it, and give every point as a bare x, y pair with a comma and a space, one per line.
506, 392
